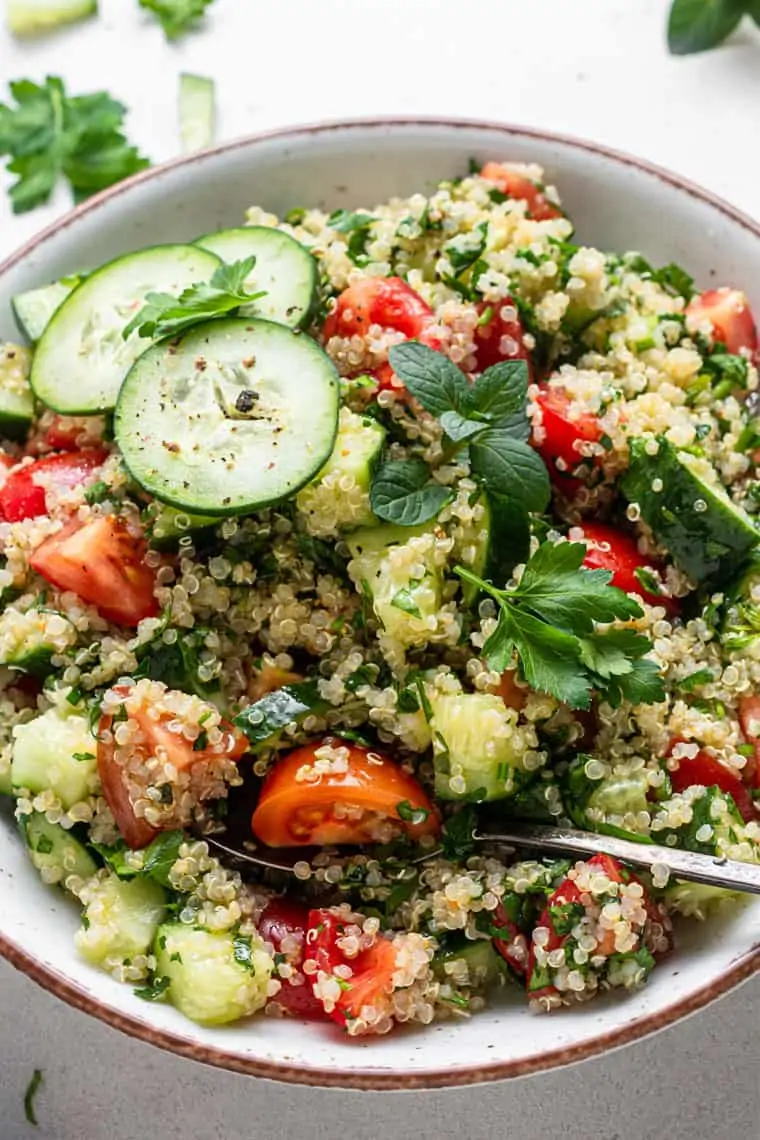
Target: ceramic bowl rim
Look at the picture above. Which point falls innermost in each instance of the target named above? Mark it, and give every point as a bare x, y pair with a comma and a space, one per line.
372, 1078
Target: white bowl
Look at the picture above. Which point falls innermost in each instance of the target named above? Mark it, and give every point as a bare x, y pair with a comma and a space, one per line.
617, 202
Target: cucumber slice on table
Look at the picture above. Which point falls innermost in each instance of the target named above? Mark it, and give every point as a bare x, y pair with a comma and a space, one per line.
28, 17
34, 310
16, 403
232, 417
197, 111
284, 268
82, 357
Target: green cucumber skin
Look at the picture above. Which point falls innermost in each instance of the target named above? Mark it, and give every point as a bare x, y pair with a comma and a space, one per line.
706, 544
139, 387
236, 244
52, 357
34, 310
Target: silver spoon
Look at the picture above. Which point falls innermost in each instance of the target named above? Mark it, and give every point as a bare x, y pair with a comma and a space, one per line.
687, 865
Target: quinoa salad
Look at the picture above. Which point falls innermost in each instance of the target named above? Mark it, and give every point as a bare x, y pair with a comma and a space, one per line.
379, 526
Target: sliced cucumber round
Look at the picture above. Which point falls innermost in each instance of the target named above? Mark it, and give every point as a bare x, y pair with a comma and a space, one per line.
82, 357
236, 415
34, 309
284, 268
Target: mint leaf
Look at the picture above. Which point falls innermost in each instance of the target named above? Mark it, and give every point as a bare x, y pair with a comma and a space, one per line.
511, 468
50, 135
458, 428
164, 315
500, 394
698, 25
177, 17
403, 493
430, 377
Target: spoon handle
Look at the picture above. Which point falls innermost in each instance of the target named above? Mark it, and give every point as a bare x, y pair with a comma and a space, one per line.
689, 865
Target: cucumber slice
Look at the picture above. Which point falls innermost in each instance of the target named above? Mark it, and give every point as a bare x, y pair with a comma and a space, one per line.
57, 751
197, 111
55, 852
235, 416
29, 639
215, 977
34, 310
477, 959
16, 402
168, 525
476, 747
120, 919
82, 358
338, 499
692, 516
284, 268
30, 17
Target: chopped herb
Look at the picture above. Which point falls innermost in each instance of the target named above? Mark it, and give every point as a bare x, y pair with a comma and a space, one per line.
695, 680
263, 721
411, 814
31, 1091
456, 836
44, 845
404, 601
154, 990
241, 951
84, 756
295, 217
97, 493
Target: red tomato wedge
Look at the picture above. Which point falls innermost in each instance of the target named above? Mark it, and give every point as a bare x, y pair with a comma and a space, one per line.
708, 771
497, 339
516, 185
730, 315
388, 302
179, 751
103, 562
284, 919
299, 806
613, 550
563, 430
69, 433
22, 496
749, 718
371, 982
513, 944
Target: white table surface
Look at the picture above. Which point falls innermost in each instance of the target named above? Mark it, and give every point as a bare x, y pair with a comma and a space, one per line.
588, 67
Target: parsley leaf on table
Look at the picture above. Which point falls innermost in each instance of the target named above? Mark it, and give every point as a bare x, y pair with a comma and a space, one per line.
550, 620
698, 25
177, 17
49, 135
164, 315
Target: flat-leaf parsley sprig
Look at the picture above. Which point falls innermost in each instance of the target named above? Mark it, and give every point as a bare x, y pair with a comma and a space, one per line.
488, 417
164, 315
50, 135
177, 17
550, 622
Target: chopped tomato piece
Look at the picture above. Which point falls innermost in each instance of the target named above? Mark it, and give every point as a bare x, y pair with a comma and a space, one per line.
307, 799
513, 695
730, 315
563, 432
749, 718
516, 185
284, 920
498, 338
613, 550
176, 748
71, 433
22, 496
372, 970
388, 302
7, 460
708, 771
103, 561
512, 943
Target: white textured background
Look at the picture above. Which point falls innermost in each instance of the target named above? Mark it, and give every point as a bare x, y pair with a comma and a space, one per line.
588, 67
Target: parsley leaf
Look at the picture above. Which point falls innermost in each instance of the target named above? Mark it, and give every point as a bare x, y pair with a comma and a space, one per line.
164, 315
549, 620
698, 25
49, 135
402, 492
177, 17
154, 990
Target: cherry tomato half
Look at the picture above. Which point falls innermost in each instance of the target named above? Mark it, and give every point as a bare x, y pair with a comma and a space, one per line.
284, 920
372, 970
563, 432
103, 562
613, 550
516, 185
749, 718
730, 315
299, 806
708, 771
22, 496
388, 302
497, 339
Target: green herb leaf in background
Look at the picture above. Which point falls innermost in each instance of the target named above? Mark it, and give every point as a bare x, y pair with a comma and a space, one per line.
177, 17
49, 136
698, 25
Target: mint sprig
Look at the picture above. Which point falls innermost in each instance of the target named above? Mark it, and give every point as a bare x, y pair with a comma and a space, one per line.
551, 623
488, 416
